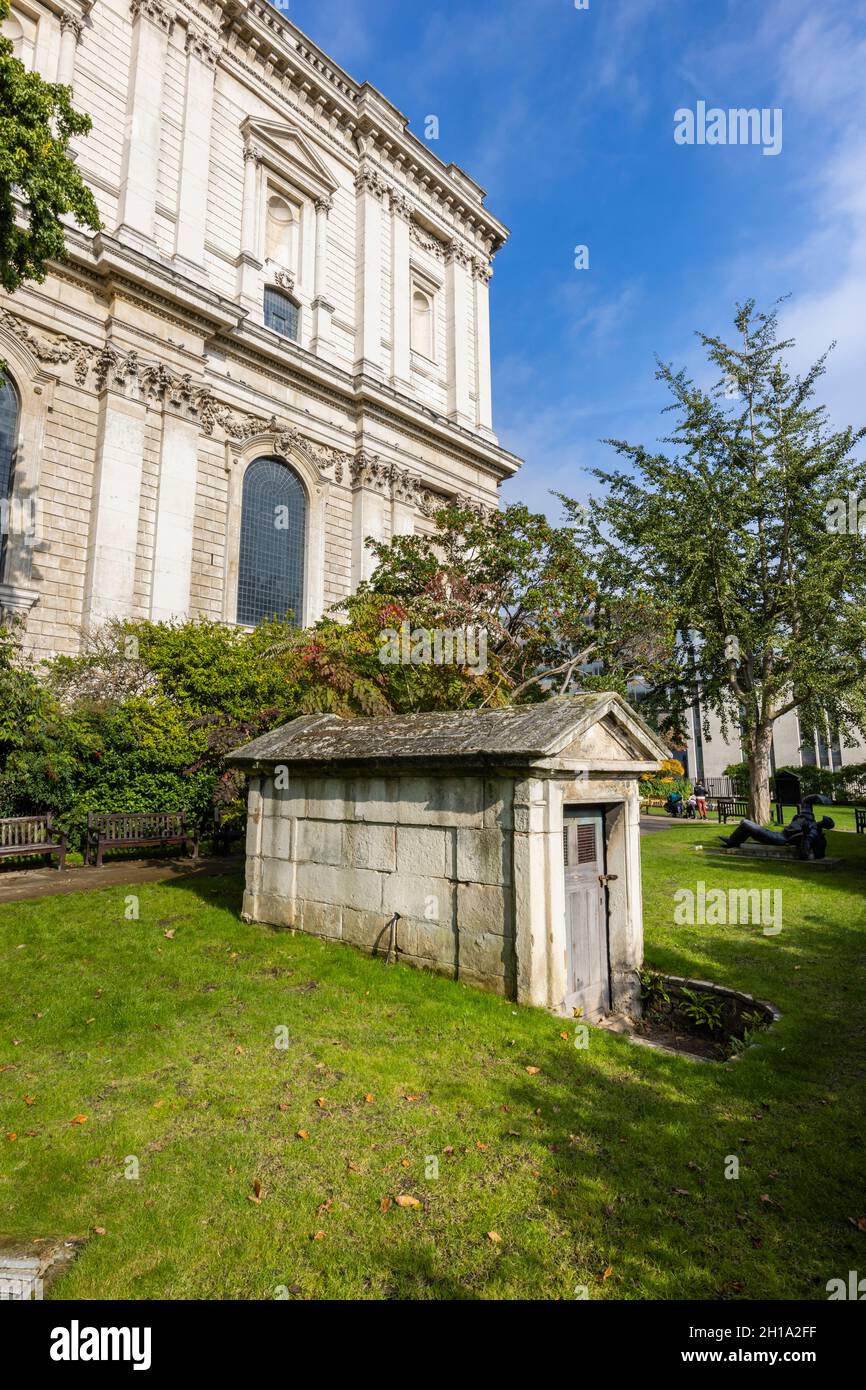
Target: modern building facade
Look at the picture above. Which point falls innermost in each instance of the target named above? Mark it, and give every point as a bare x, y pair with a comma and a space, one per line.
277, 346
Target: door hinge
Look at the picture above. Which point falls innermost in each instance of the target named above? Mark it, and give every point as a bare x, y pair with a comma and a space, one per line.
605, 879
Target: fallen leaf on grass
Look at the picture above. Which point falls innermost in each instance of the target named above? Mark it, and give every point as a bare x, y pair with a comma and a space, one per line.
404, 1201
449, 1149
386, 1204
479, 1145
369, 1098
11, 1136
410, 1098
257, 1193
495, 1237
98, 1230
326, 1206
353, 1168
78, 1120
405, 1163
29, 1100
318, 1235
564, 1036
302, 1134
283, 1106
239, 1052
322, 1103
607, 1273
533, 1071
169, 935
158, 1104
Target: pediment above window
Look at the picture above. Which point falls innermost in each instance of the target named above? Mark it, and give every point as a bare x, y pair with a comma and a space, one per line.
282, 148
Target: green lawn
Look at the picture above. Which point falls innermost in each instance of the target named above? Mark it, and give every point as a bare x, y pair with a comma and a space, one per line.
606, 1162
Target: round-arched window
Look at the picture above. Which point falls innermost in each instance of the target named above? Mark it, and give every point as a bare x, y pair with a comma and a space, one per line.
9, 415
273, 544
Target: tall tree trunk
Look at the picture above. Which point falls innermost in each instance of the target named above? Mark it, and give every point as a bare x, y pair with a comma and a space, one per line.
759, 774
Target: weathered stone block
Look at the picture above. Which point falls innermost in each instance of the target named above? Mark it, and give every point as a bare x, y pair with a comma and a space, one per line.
429, 899
374, 799
319, 842
440, 801
483, 856
483, 908
291, 801
277, 877
423, 852
328, 799
485, 954
321, 919
276, 837
498, 794
430, 941
368, 930
276, 911
325, 883
371, 847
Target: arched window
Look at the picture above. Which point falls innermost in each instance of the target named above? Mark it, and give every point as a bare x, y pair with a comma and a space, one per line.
9, 412
422, 323
273, 544
280, 232
281, 314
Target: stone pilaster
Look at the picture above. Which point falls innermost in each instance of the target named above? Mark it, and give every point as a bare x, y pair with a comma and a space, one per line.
71, 29
458, 263
401, 309
152, 23
202, 55
482, 272
370, 190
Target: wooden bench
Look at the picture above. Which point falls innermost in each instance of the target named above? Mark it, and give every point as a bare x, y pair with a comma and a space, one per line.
731, 806
125, 829
20, 835
860, 819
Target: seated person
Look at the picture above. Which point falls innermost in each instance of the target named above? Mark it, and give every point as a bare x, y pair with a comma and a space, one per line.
674, 804
804, 832
691, 807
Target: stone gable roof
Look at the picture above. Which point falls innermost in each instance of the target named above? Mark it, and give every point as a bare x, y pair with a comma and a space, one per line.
517, 733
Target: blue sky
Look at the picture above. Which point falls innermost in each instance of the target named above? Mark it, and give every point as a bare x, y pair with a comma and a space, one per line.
566, 117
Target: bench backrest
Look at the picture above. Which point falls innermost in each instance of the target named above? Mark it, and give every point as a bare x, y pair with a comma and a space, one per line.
26, 830
137, 825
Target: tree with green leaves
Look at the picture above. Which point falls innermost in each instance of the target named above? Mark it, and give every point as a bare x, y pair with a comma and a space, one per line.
39, 182
733, 532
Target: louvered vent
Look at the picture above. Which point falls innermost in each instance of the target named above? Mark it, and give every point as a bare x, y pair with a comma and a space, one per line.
565, 844
586, 844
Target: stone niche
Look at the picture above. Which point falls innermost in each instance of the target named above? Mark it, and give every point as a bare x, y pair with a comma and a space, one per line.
499, 847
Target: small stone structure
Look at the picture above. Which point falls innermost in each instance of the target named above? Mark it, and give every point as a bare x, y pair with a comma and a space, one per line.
505, 842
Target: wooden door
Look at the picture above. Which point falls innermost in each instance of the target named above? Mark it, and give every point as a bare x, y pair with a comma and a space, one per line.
586, 945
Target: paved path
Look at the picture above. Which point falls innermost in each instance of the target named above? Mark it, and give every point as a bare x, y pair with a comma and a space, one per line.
19, 884
650, 823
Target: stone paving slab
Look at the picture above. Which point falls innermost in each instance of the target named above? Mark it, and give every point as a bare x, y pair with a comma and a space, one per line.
19, 885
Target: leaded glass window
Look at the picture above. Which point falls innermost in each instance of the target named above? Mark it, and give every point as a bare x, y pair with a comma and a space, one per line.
273, 544
281, 314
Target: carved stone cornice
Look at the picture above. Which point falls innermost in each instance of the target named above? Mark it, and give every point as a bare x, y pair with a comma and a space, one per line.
400, 205
426, 242
369, 180
202, 46
482, 270
155, 10
368, 471
73, 22
58, 350
456, 251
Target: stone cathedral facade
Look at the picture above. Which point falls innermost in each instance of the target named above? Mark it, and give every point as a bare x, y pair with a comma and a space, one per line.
277, 345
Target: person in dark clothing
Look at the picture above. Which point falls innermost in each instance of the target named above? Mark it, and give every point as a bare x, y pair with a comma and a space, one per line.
674, 804
700, 795
804, 832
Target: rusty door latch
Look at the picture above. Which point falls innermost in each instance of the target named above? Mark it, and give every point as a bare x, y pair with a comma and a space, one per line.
605, 879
